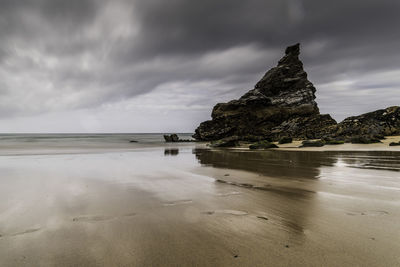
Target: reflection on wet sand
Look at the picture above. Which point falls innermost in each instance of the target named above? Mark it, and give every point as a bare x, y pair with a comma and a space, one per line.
171, 151
204, 208
270, 163
296, 164
312, 189
278, 174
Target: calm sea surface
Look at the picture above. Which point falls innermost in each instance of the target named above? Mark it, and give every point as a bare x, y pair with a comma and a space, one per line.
78, 143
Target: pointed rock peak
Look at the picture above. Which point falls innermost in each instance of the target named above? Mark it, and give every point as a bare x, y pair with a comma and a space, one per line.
288, 76
281, 103
291, 56
294, 49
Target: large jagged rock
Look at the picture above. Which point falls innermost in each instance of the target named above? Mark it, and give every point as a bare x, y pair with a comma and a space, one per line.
281, 104
381, 122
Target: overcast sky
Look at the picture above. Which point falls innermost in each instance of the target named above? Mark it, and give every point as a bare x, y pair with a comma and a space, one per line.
160, 66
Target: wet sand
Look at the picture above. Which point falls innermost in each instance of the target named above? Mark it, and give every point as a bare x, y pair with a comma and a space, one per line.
188, 206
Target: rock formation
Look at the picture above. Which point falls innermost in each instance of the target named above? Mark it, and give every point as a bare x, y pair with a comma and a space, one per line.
171, 138
281, 104
377, 123
174, 138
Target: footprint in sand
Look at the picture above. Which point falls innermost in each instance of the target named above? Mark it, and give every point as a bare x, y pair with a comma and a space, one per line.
99, 218
228, 194
375, 213
229, 212
129, 214
368, 213
96, 218
28, 231
177, 202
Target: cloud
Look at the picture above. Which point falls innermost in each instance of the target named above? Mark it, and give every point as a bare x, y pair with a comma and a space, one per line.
86, 56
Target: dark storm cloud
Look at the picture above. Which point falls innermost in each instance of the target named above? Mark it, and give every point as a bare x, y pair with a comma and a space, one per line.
190, 26
65, 55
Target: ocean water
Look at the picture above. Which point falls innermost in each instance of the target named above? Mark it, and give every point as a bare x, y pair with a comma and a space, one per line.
17, 144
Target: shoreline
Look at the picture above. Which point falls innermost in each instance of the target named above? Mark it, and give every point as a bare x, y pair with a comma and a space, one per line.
295, 146
383, 146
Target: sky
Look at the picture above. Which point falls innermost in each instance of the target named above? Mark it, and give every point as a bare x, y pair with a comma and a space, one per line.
160, 66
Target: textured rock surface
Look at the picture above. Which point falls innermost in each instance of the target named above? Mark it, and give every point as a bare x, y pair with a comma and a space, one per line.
377, 123
262, 145
231, 141
174, 138
281, 104
171, 138
309, 143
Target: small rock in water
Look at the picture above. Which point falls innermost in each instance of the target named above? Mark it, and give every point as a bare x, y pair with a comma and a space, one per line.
171, 138
174, 138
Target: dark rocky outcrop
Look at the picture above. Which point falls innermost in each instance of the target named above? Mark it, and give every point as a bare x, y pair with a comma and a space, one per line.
334, 142
394, 144
364, 139
262, 145
285, 140
174, 138
374, 124
171, 138
309, 143
281, 104
231, 141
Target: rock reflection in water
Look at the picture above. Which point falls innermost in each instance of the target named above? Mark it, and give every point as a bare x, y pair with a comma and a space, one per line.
287, 204
171, 152
298, 164
377, 160
290, 181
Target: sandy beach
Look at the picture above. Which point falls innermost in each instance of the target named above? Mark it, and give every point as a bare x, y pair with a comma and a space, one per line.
187, 205
146, 133
382, 146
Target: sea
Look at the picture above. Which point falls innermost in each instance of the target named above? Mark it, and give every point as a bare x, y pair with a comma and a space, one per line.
17, 144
